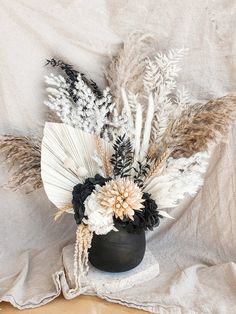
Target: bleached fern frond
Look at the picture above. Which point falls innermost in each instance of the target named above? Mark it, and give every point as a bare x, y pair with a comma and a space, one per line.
160, 80
161, 118
181, 102
161, 72
182, 99
181, 176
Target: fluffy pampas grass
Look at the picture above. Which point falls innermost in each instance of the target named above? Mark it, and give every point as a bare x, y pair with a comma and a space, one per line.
127, 68
199, 126
23, 154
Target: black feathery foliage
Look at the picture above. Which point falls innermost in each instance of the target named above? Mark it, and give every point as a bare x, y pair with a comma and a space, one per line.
72, 77
141, 172
81, 191
147, 218
123, 156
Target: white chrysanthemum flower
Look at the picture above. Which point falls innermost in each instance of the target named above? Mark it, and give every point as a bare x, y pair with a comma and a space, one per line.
100, 220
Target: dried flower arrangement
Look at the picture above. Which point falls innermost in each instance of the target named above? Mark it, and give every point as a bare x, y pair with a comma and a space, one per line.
124, 154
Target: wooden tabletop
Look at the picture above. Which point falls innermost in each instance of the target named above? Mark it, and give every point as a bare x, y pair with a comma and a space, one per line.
81, 304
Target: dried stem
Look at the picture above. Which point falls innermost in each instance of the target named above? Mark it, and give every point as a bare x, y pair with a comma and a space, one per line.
158, 164
62, 211
104, 157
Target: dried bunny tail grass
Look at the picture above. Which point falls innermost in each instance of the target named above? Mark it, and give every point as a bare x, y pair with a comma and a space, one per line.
24, 153
102, 153
82, 244
198, 126
127, 69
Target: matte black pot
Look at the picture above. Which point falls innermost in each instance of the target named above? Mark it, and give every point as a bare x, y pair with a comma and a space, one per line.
117, 251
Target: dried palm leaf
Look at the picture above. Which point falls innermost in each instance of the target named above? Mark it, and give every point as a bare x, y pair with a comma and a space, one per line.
66, 158
24, 153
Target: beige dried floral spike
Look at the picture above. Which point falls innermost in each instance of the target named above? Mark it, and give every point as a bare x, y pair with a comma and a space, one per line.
127, 68
104, 155
24, 153
158, 164
122, 196
198, 126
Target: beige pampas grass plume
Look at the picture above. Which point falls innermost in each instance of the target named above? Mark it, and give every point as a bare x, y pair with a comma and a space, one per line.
127, 68
198, 126
23, 154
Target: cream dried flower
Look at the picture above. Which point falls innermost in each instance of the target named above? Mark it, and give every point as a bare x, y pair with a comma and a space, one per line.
122, 196
99, 219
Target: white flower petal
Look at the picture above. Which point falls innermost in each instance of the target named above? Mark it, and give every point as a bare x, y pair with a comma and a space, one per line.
99, 219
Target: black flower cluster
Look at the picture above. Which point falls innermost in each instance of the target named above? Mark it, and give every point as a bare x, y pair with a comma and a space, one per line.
147, 218
82, 191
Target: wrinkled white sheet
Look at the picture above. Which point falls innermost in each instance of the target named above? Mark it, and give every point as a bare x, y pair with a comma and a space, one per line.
197, 251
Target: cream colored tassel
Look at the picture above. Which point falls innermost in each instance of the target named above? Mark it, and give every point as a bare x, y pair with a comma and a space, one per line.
82, 244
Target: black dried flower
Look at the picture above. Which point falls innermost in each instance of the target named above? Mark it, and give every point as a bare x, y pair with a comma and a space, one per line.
81, 191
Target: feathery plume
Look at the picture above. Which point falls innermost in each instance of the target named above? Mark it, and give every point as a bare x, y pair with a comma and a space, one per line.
24, 153
199, 125
127, 68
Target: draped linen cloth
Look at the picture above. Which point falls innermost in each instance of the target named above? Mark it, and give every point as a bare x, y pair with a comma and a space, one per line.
197, 250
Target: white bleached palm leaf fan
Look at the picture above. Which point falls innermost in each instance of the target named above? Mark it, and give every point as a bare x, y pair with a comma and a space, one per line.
67, 157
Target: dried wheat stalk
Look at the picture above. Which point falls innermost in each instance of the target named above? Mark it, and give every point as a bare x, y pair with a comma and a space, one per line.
24, 153
104, 157
158, 164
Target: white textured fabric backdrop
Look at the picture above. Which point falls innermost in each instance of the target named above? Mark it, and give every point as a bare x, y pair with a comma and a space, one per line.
197, 251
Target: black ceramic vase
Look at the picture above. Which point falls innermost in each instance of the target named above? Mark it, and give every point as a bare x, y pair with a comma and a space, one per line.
117, 251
